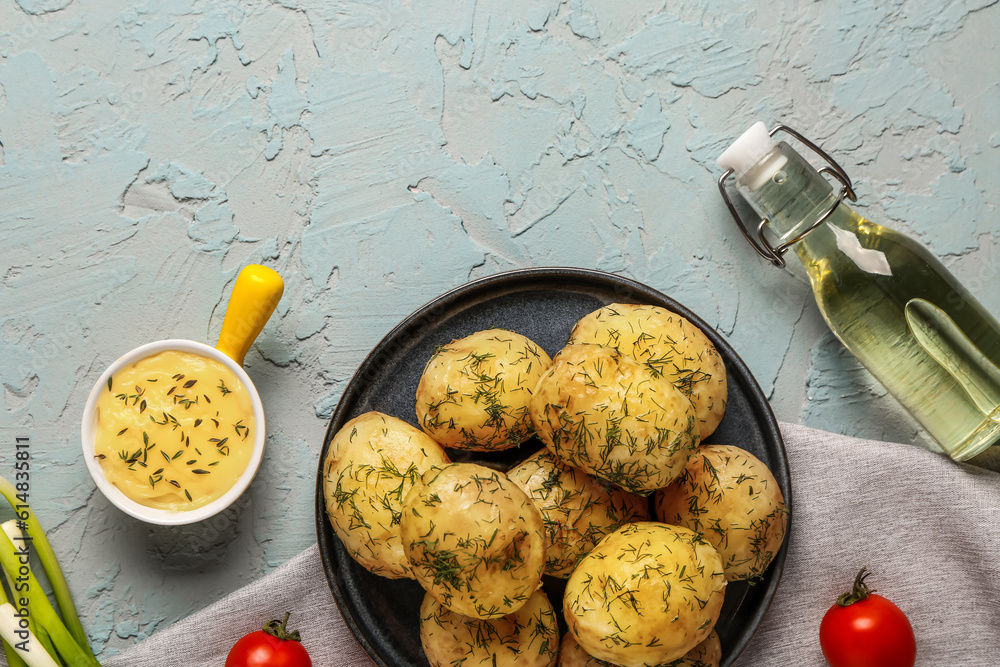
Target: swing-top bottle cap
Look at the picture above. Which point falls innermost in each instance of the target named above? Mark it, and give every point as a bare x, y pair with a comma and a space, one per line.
747, 151
755, 158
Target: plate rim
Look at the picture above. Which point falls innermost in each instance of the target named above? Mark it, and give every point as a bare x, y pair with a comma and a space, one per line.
629, 288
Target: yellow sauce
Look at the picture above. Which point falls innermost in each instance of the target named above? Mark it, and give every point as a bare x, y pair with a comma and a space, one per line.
174, 430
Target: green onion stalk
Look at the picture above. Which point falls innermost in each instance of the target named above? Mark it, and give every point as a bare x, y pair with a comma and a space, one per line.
13, 659
15, 535
18, 635
65, 634
49, 562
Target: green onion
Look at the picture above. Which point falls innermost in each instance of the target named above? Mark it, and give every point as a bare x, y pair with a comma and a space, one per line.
72, 653
66, 633
14, 533
14, 635
13, 658
49, 563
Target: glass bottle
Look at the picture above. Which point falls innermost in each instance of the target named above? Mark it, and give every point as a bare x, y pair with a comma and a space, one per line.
886, 297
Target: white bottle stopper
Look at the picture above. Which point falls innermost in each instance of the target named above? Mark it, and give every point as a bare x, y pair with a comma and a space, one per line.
747, 152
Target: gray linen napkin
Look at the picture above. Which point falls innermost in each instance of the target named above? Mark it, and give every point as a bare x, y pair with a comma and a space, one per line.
927, 528
204, 638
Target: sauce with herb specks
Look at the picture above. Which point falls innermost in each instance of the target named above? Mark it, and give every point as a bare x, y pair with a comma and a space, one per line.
175, 430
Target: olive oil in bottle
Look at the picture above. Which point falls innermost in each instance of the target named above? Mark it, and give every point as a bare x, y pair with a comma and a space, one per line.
886, 297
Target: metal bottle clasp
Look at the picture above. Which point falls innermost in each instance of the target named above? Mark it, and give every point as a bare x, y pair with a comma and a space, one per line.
761, 244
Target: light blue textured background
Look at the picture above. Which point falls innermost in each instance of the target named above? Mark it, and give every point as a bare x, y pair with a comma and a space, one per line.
379, 153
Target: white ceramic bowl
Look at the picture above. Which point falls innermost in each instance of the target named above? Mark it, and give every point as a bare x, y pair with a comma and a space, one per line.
161, 516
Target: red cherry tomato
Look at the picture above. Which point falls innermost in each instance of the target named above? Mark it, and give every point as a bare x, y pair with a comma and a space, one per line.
866, 630
273, 646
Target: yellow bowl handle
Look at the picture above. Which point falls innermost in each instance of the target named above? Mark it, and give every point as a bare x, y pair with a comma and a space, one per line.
255, 295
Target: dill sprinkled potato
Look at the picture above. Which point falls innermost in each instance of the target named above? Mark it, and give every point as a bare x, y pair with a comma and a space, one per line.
615, 418
669, 344
706, 654
731, 497
474, 391
528, 637
474, 540
646, 595
578, 509
371, 463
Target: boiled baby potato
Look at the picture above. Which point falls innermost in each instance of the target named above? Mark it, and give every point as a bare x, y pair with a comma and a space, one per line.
474, 391
473, 540
578, 509
730, 496
669, 344
607, 414
646, 595
371, 463
706, 654
528, 637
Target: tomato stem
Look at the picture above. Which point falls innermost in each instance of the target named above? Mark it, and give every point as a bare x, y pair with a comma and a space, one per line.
276, 628
859, 592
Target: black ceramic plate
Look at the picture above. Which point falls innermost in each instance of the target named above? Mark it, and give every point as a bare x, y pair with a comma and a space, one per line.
542, 304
